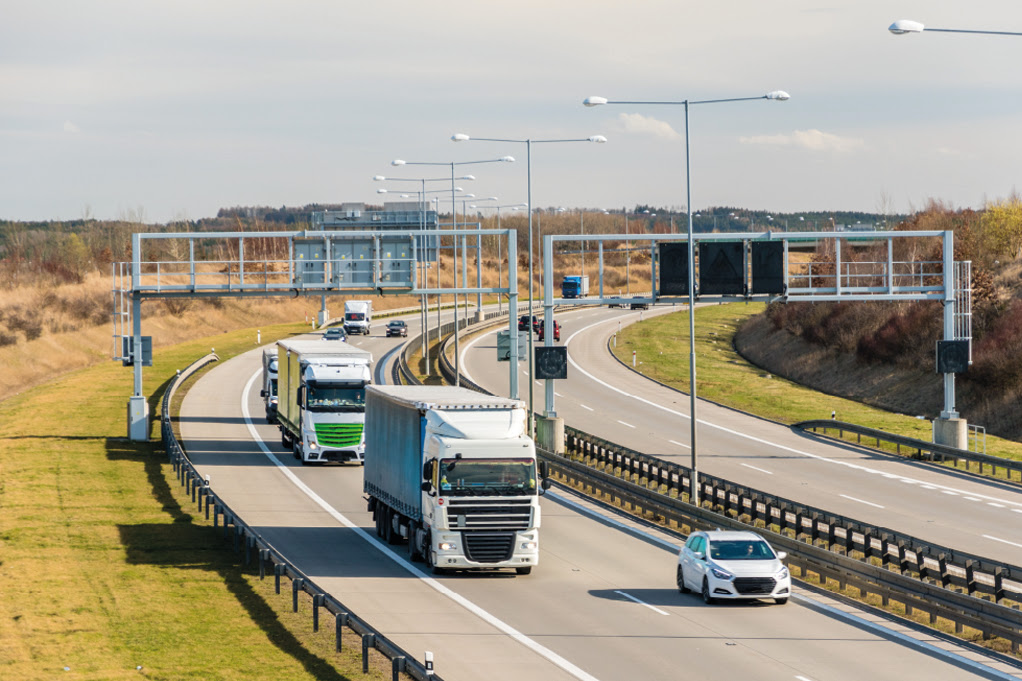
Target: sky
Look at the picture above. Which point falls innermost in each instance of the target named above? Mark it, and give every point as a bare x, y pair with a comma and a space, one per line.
156, 111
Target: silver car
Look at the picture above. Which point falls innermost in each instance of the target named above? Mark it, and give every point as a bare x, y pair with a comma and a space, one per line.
732, 565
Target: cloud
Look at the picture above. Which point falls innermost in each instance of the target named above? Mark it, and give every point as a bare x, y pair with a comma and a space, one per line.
643, 125
71, 127
813, 140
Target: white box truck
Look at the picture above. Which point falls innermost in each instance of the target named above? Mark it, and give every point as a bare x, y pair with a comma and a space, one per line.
358, 316
452, 472
321, 399
269, 389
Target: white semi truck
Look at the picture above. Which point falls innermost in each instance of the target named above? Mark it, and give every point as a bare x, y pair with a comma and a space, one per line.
358, 316
453, 473
321, 399
269, 389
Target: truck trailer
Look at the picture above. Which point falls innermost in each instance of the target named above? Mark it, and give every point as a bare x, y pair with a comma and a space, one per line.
321, 399
574, 286
269, 389
358, 316
452, 472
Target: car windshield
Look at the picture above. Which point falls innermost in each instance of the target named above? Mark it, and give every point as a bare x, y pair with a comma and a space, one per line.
335, 397
397, 324
740, 549
487, 477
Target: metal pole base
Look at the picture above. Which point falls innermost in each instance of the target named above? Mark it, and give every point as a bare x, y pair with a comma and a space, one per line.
138, 419
951, 432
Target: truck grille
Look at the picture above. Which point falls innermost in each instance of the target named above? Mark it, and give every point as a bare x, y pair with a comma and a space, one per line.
339, 434
489, 514
489, 547
754, 585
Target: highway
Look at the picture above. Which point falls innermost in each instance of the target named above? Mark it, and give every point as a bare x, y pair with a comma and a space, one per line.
601, 605
606, 399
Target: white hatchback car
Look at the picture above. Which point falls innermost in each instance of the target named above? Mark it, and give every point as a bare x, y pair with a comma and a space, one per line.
732, 565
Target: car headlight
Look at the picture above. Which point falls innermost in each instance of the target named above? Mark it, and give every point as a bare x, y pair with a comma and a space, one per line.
447, 546
721, 574
783, 574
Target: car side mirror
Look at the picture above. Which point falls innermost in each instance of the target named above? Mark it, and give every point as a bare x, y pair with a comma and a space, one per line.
699, 555
781, 555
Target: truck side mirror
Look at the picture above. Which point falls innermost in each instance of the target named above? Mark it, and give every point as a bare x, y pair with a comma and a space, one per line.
427, 470
426, 486
300, 394
545, 484
262, 393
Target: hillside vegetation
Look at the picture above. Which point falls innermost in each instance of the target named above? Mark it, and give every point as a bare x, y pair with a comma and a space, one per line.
884, 353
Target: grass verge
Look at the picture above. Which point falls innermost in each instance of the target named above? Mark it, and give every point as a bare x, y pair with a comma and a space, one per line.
106, 572
661, 347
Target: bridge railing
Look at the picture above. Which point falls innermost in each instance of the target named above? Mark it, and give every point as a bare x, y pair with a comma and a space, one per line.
254, 546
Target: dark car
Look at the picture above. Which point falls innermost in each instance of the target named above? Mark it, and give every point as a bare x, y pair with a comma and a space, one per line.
557, 331
615, 302
397, 328
523, 322
335, 333
639, 306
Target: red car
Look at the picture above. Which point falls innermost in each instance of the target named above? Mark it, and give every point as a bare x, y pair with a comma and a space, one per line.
557, 330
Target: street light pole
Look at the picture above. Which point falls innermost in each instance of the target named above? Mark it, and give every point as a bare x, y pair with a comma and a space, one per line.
778, 95
548, 318
454, 215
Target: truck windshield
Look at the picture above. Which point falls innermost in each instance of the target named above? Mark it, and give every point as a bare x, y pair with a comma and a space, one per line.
487, 477
355, 317
335, 397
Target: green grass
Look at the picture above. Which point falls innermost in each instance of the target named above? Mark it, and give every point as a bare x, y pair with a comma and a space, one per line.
661, 347
104, 563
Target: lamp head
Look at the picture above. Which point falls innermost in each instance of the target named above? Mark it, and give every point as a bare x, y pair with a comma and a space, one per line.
381, 191
903, 26
779, 95
594, 101
460, 137
507, 159
467, 177
379, 178
598, 139
397, 162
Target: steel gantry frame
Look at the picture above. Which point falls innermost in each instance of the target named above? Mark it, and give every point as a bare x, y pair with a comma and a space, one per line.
845, 279
318, 262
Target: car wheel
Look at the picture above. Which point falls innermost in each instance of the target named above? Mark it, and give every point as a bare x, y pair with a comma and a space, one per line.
707, 598
681, 581
780, 601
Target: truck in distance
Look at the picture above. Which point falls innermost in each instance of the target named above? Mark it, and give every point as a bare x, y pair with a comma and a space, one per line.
574, 286
452, 472
358, 316
321, 399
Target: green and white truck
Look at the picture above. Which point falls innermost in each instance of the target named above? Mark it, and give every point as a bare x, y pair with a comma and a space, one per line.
321, 399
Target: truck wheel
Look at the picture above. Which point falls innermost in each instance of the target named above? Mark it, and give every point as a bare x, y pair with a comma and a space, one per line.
413, 548
527, 570
378, 517
285, 439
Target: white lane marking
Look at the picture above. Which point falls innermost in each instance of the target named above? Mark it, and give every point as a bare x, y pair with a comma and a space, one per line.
757, 469
558, 394
1016, 510
626, 424
975, 499
802, 678
868, 503
585, 407
809, 455
1003, 541
636, 600
995, 505
947, 491
680, 444
377, 544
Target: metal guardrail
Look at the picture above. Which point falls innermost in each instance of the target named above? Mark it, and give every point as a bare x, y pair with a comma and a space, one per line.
937, 452
966, 589
247, 539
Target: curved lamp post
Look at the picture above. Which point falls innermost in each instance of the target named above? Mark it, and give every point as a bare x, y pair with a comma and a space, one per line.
528, 142
776, 95
904, 26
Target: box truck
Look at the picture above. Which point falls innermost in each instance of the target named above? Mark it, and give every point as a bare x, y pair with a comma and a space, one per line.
358, 316
321, 399
269, 389
574, 286
452, 472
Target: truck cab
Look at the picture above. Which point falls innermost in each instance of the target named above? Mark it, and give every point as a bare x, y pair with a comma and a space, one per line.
332, 400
